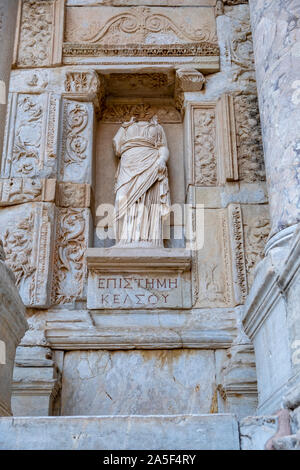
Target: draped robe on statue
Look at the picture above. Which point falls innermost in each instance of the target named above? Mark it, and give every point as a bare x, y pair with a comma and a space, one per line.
141, 187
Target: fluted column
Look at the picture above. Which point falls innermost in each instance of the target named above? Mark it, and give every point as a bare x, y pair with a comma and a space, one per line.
8, 16
276, 37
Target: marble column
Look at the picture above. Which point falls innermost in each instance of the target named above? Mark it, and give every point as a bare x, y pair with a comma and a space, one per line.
276, 38
271, 316
8, 16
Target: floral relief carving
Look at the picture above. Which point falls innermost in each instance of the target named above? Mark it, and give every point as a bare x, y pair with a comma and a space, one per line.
257, 234
75, 142
118, 112
35, 40
70, 270
28, 133
18, 247
204, 147
249, 141
81, 82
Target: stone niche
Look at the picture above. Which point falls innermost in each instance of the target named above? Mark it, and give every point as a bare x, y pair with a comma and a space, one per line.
139, 278
142, 95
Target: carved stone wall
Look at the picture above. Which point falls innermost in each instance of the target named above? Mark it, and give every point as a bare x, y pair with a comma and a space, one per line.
91, 66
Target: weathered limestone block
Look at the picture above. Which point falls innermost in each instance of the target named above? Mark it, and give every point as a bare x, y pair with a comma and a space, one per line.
19, 190
36, 382
256, 431
39, 33
73, 195
138, 382
73, 236
12, 327
27, 231
239, 386
206, 432
219, 272
69, 329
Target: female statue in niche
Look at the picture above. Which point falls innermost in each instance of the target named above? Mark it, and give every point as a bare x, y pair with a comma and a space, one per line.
141, 186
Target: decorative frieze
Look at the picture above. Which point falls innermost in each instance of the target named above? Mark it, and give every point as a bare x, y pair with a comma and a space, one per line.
239, 277
39, 33
118, 112
153, 31
27, 234
73, 229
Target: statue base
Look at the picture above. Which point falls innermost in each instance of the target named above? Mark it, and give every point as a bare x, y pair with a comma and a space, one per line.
139, 278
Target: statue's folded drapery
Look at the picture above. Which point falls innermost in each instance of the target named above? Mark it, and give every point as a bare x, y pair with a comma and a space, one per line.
141, 187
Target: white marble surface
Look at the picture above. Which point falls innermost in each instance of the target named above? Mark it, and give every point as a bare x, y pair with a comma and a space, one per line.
138, 382
204, 432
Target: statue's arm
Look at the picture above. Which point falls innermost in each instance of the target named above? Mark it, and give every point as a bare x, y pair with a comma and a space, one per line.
117, 142
163, 149
164, 154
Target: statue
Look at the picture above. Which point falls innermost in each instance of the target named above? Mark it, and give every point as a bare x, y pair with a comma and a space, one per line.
141, 186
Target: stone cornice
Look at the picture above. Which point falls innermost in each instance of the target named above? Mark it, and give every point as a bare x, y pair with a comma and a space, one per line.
140, 259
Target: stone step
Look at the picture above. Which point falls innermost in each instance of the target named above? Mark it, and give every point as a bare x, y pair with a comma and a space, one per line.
163, 432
